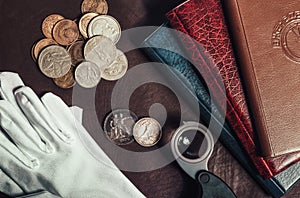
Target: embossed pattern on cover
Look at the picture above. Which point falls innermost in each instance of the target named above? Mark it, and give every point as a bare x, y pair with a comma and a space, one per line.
276, 186
267, 41
204, 21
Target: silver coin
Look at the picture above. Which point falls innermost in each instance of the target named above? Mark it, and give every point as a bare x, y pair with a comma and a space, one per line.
87, 74
54, 61
118, 126
117, 69
104, 25
100, 50
147, 132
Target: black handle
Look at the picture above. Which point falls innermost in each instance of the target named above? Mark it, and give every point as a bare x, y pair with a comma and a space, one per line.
213, 187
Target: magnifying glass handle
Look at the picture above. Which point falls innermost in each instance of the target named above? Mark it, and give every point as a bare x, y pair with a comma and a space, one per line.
213, 187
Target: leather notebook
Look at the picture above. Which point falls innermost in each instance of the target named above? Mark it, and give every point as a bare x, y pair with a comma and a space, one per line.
275, 186
266, 35
204, 21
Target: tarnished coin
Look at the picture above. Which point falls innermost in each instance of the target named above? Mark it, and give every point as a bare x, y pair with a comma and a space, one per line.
100, 50
117, 69
87, 74
48, 24
84, 21
105, 25
54, 61
147, 132
76, 52
65, 32
98, 6
118, 126
40, 45
66, 81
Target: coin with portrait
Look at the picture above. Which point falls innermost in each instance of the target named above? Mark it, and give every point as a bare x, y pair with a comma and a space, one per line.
65, 32
105, 25
48, 24
98, 6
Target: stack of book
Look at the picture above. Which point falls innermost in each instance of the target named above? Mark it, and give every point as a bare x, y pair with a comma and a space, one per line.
205, 39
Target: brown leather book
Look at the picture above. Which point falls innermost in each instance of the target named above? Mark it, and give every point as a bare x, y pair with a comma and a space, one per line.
266, 37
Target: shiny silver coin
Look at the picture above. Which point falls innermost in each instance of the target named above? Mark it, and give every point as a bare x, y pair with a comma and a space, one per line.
118, 126
101, 51
147, 132
117, 69
54, 61
87, 74
104, 25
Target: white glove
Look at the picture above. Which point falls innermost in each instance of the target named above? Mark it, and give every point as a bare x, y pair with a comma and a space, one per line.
50, 155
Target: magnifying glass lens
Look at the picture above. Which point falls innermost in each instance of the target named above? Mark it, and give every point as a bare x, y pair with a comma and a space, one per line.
192, 144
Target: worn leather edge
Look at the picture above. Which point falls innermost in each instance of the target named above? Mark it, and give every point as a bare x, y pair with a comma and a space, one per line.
244, 59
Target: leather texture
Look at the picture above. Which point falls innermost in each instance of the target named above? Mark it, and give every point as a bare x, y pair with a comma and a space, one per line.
204, 21
276, 186
266, 41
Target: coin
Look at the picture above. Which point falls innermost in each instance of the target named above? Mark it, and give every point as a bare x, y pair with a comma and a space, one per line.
84, 21
76, 52
48, 24
40, 45
54, 61
65, 32
66, 81
147, 132
100, 50
87, 74
117, 69
98, 6
118, 126
105, 25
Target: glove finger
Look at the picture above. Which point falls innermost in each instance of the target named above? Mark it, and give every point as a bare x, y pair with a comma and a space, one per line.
56, 106
38, 115
11, 154
9, 186
20, 131
9, 82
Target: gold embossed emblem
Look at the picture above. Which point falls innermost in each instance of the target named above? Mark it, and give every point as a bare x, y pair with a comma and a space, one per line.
286, 35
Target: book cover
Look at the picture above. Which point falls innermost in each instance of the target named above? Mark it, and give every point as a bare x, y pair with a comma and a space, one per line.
266, 38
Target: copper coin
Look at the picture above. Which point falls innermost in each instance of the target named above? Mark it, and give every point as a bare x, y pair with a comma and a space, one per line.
84, 21
76, 52
66, 81
40, 45
48, 24
98, 6
65, 32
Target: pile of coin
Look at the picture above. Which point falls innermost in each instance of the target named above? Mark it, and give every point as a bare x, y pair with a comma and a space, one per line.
122, 127
81, 50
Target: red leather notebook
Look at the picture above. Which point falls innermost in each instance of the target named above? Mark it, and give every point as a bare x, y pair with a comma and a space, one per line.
204, 21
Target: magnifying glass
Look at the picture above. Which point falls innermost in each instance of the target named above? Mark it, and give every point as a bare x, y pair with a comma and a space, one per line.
192, 145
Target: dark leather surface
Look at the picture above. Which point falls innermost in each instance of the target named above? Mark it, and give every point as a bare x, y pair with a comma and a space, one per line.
204, 21
20, 27
170, 55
